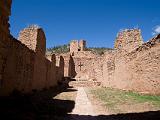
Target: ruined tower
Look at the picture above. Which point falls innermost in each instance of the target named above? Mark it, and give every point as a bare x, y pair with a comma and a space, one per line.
82, 45
76, 46
34, 38
128, 40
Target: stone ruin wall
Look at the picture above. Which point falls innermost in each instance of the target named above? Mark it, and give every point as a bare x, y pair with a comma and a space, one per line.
59, 68
143, 68
23, 65
74, 46
82, 45
4, 34
5, 7
108, 69
69, 66
77, 46
133, 65
129, 67
138, 70
26, 70
128, 40
91, 66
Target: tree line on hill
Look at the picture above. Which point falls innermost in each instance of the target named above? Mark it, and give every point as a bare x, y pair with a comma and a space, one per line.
65, 48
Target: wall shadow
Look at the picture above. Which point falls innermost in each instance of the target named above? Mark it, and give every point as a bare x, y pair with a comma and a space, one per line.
42, 106
36, 106
150, 115
72, 71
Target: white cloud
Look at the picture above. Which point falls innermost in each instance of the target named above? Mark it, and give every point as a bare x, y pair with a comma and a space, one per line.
156, 30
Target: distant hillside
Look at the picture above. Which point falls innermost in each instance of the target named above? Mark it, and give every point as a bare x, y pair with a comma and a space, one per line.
99, 50
58, 49
65, 48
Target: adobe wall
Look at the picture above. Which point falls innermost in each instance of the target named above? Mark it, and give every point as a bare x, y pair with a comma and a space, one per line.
5, 43
82, 45
142, 67
108, 68
77, 46
19, 67
26, 70
128, 40
138, 70
132, 65
88, 66
34, 38
51, 72
59, 68
66, 64
69, 66
23, 65
74, 46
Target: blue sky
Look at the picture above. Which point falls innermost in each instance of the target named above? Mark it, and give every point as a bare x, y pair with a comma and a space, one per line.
97, 21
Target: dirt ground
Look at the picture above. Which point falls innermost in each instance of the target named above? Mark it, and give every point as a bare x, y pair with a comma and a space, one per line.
60, 104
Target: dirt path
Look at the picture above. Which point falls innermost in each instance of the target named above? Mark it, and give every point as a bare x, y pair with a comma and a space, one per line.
83, 106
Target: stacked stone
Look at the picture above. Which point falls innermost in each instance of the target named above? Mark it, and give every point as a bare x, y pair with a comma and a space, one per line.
82, 45
128, 40
59, 68
76, 46
28, 37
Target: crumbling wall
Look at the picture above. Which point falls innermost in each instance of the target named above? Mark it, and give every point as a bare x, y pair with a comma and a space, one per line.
128, 40
26, 69
138, 70
69, 66
74, 46
59, 68
72, 72
77, 46
18, 71
88, 66
66, 65
96, 70
144, 67
82, 45
108, 68
34, 38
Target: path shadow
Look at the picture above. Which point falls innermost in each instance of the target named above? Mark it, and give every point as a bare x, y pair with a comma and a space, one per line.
70, 90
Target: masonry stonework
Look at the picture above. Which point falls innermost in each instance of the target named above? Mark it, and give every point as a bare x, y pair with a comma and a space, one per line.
131, 65
77, 46
5, 6
24, 66
128, 40
137, 69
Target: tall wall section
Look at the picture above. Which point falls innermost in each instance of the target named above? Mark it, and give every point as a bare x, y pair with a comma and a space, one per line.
142, 68
23, 65
136, 69
27, 70
5, 43
128, 40
77, 46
